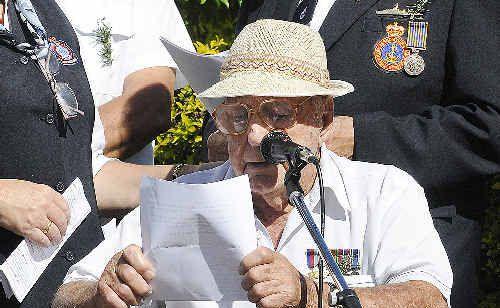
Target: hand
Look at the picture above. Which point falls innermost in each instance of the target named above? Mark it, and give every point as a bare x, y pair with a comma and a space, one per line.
339, 136
125, 280
34, 211
270, 279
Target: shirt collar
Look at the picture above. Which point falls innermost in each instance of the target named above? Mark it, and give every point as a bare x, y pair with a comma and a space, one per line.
333, 181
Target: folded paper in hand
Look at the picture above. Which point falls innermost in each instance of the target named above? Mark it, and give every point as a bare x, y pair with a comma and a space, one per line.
196, 236
28, 261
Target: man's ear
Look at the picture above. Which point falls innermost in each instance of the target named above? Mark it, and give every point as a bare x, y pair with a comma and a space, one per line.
328, 112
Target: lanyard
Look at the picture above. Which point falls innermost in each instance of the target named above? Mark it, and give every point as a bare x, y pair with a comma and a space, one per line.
30, 19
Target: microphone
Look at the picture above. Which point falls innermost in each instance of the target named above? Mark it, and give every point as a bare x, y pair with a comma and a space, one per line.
277, 147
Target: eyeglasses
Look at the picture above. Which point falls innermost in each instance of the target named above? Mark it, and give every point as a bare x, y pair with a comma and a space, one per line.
63, 94
233, 119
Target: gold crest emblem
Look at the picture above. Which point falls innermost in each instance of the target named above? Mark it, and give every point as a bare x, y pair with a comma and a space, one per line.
390, 52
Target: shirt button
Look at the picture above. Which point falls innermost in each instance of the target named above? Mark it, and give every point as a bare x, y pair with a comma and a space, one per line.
69, 256
60, 186
25, 60
49, 118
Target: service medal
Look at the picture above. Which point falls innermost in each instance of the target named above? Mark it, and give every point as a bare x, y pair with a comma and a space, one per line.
391, 51
414, 65
312, 257
347, 260
417, 40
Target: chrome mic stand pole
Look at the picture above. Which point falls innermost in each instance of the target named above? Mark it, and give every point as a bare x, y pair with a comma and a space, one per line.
346, 296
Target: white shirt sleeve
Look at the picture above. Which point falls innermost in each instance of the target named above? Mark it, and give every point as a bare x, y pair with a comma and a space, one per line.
409, 245
91, 266
159, 18
98, 142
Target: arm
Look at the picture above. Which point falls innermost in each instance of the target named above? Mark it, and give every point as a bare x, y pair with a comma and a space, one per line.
117, 184
272, 281
411, 294
141, 113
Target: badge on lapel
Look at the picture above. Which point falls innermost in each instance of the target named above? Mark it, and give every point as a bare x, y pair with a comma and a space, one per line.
347, 259
393, 53
390, 52
62, 51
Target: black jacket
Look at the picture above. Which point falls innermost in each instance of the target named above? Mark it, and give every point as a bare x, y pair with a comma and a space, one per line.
442, 127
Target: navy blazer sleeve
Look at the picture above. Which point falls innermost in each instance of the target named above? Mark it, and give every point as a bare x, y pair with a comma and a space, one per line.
456, 141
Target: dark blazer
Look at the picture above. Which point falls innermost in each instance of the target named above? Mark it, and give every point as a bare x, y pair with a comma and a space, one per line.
442, 127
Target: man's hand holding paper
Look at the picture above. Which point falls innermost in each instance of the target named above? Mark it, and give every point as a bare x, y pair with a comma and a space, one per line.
196, 236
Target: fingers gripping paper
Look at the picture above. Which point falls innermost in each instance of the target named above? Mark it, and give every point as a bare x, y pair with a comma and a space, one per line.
196, 236
28, 261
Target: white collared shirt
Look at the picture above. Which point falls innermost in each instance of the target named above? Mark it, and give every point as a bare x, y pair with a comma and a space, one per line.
375, 208
136, 26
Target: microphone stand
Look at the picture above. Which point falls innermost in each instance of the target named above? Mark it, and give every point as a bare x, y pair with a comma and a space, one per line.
346, 296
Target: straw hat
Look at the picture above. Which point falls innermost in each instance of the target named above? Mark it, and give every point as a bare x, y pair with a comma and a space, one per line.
276, 58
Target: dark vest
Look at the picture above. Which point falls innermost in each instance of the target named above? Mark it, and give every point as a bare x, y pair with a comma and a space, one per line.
37, 146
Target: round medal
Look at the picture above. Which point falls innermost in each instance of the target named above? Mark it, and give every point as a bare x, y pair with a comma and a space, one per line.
414, 65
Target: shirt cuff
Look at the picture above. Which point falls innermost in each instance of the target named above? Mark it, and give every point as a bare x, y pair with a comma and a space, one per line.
98, 162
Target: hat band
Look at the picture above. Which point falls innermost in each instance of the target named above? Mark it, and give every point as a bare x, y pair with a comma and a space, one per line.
271, 64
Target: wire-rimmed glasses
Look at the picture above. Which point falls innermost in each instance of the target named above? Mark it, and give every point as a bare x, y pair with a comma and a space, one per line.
63, 94
276, 113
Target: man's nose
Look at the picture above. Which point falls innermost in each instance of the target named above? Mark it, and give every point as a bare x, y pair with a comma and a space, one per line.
256, 133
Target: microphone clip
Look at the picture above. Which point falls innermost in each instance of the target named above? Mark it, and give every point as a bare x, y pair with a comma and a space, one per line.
293, 174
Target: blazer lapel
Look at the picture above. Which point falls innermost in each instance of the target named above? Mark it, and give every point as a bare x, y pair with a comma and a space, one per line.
340, 18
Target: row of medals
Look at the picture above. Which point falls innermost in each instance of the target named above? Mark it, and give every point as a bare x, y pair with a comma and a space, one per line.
393, 53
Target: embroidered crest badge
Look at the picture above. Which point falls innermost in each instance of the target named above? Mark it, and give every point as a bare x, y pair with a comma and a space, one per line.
391, 51
62, 51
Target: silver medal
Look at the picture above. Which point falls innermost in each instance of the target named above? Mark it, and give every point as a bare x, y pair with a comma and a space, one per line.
414, 64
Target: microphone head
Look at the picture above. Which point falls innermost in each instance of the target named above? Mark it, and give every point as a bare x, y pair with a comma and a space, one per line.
271, 147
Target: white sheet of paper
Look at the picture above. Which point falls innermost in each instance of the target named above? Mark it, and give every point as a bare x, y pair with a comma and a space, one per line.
28, 261
201, 71
196, 236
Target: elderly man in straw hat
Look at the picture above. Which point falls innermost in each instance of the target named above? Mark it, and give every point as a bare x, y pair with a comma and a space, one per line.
377, 221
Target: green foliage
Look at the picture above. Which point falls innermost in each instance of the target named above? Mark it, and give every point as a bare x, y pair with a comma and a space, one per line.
213, 47
207, 19
490, 246
182, 142
103, 38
